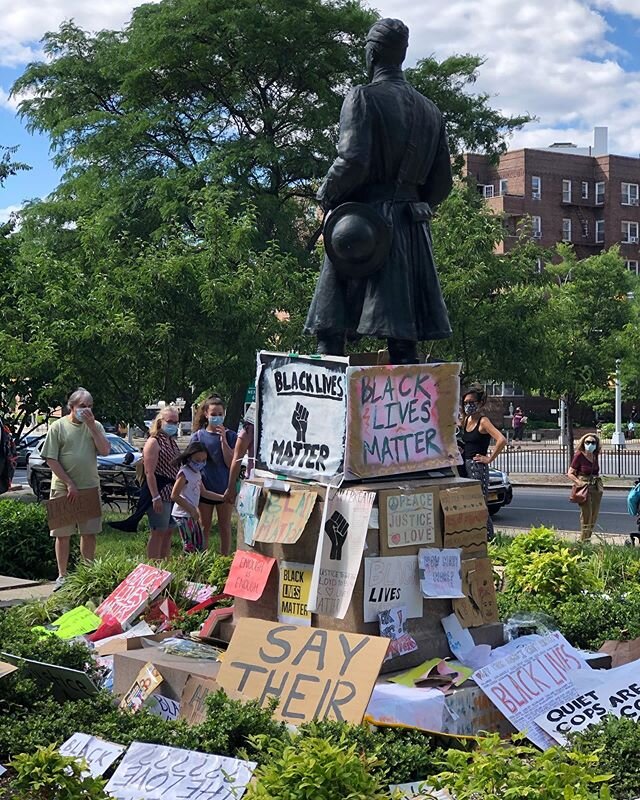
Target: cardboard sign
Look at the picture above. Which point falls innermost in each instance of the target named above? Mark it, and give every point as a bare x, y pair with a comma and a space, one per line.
285, 516
66, 683
465, 517
295, 585
316, 674
618, 695
531, 681
157, 772
479, 606
193, 702
439, 571
248, 575
402, 418
6, 669
98, 753
302, 405
622, 652
60, 512
409, 520
391, 581
137, 590
345, 520
76, 622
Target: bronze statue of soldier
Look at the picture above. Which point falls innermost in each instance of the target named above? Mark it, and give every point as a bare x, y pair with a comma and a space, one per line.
393, 167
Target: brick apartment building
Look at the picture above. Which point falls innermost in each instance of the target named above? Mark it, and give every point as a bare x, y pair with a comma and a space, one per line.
584, 196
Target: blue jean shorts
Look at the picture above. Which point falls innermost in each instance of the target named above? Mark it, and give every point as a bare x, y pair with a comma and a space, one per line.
162, 521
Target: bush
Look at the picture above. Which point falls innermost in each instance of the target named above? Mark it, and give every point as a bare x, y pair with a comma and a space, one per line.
618, 743
26, 549
46, 775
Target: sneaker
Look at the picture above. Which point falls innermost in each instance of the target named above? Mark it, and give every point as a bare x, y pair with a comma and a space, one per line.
60, 582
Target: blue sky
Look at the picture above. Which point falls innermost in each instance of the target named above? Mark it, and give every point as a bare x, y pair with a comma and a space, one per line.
572, 63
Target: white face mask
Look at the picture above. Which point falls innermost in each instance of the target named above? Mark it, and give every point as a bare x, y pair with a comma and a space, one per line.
590, 447
80, 413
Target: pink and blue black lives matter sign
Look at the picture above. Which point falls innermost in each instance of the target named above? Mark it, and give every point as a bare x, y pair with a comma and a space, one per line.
301, 419
402, 419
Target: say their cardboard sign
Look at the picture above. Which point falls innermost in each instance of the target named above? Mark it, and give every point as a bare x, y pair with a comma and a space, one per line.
315, 673
285, 516
465, 518
61, 512
135, 592
479, 606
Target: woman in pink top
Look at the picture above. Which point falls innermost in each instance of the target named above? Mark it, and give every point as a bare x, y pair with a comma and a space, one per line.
585, 469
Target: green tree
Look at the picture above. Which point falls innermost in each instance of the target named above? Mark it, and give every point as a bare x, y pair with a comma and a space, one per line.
9, 167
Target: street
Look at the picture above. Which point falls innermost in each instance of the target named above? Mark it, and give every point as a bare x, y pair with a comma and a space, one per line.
551, 507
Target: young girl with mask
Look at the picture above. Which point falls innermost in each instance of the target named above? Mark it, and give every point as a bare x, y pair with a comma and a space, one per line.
585, 469
477, 433
219, 443
187, 493
159, 454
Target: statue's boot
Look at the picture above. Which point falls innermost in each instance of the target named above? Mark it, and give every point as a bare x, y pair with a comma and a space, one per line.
402, 351
331, 344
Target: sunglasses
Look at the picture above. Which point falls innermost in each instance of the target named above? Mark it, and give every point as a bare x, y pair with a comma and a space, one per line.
590, 441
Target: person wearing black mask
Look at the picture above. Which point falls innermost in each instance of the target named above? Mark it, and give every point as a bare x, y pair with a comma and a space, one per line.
477, 433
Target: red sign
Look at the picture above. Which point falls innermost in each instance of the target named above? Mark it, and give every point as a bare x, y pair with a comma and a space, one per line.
248, 575
135, 592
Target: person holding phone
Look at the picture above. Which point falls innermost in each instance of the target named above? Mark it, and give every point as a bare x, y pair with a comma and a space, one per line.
220, 443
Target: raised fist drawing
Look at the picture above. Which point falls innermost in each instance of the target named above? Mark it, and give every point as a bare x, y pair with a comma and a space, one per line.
299, 420
336, 528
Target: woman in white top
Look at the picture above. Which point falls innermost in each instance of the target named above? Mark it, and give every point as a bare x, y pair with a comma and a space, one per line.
186, 494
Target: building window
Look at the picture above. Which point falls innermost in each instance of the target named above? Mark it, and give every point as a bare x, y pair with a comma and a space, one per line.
566, 230
585, 190
629, 194
599, 231
487, 190
632, 266
599, 193
584, 225
536, 187
630, 232
536, 227
566, 191
504, 186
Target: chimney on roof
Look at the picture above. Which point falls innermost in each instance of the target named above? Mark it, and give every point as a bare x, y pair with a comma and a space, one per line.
600, 141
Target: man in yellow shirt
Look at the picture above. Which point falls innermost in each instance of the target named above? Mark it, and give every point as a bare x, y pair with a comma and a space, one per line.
70, 449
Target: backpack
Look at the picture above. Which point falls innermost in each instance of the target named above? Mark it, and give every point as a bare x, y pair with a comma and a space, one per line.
8, 458
633, 500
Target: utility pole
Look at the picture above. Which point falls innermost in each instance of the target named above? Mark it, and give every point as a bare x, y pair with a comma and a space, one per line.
618, 436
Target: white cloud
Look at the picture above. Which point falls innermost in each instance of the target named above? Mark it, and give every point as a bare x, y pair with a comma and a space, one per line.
5, 213
631, 7
10, 103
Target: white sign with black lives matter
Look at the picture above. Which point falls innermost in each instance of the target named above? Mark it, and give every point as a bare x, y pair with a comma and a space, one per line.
302, 411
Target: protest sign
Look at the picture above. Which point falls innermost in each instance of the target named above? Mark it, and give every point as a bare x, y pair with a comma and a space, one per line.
391, 581
619, 695
98, 753
295, 584
345, 520
135, 592
198, 592
393, 626
76, 622
163, 707
302, 405
315, 673
193, 705
247, 506
66, 683
157, 772
465, 517
402, 418
621, 652
479, 605
146, 681
409, 519
285, 516
61, 512
248, 575
531, 681
439, 572
420, 790
462, 645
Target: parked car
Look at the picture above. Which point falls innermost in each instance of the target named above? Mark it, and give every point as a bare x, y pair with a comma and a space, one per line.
122, 454
500, 491
26, 446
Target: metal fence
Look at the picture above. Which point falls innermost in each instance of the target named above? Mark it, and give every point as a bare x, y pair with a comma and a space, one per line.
622, 462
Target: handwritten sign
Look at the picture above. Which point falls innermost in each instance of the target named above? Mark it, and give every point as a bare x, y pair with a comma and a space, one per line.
402, 418
76, 622
137, 590
316, 673
465, 517
531, 681
295, 584
410, 519
193, 702
285, 516
60, 512
393, 626
302, 406
341, 541
157, 772
391, 581
479, 606
98, 753
247, 506
248, 575
163, 707
66, 683
440, 572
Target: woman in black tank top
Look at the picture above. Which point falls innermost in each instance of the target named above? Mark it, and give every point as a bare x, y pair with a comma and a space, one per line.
476, 435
